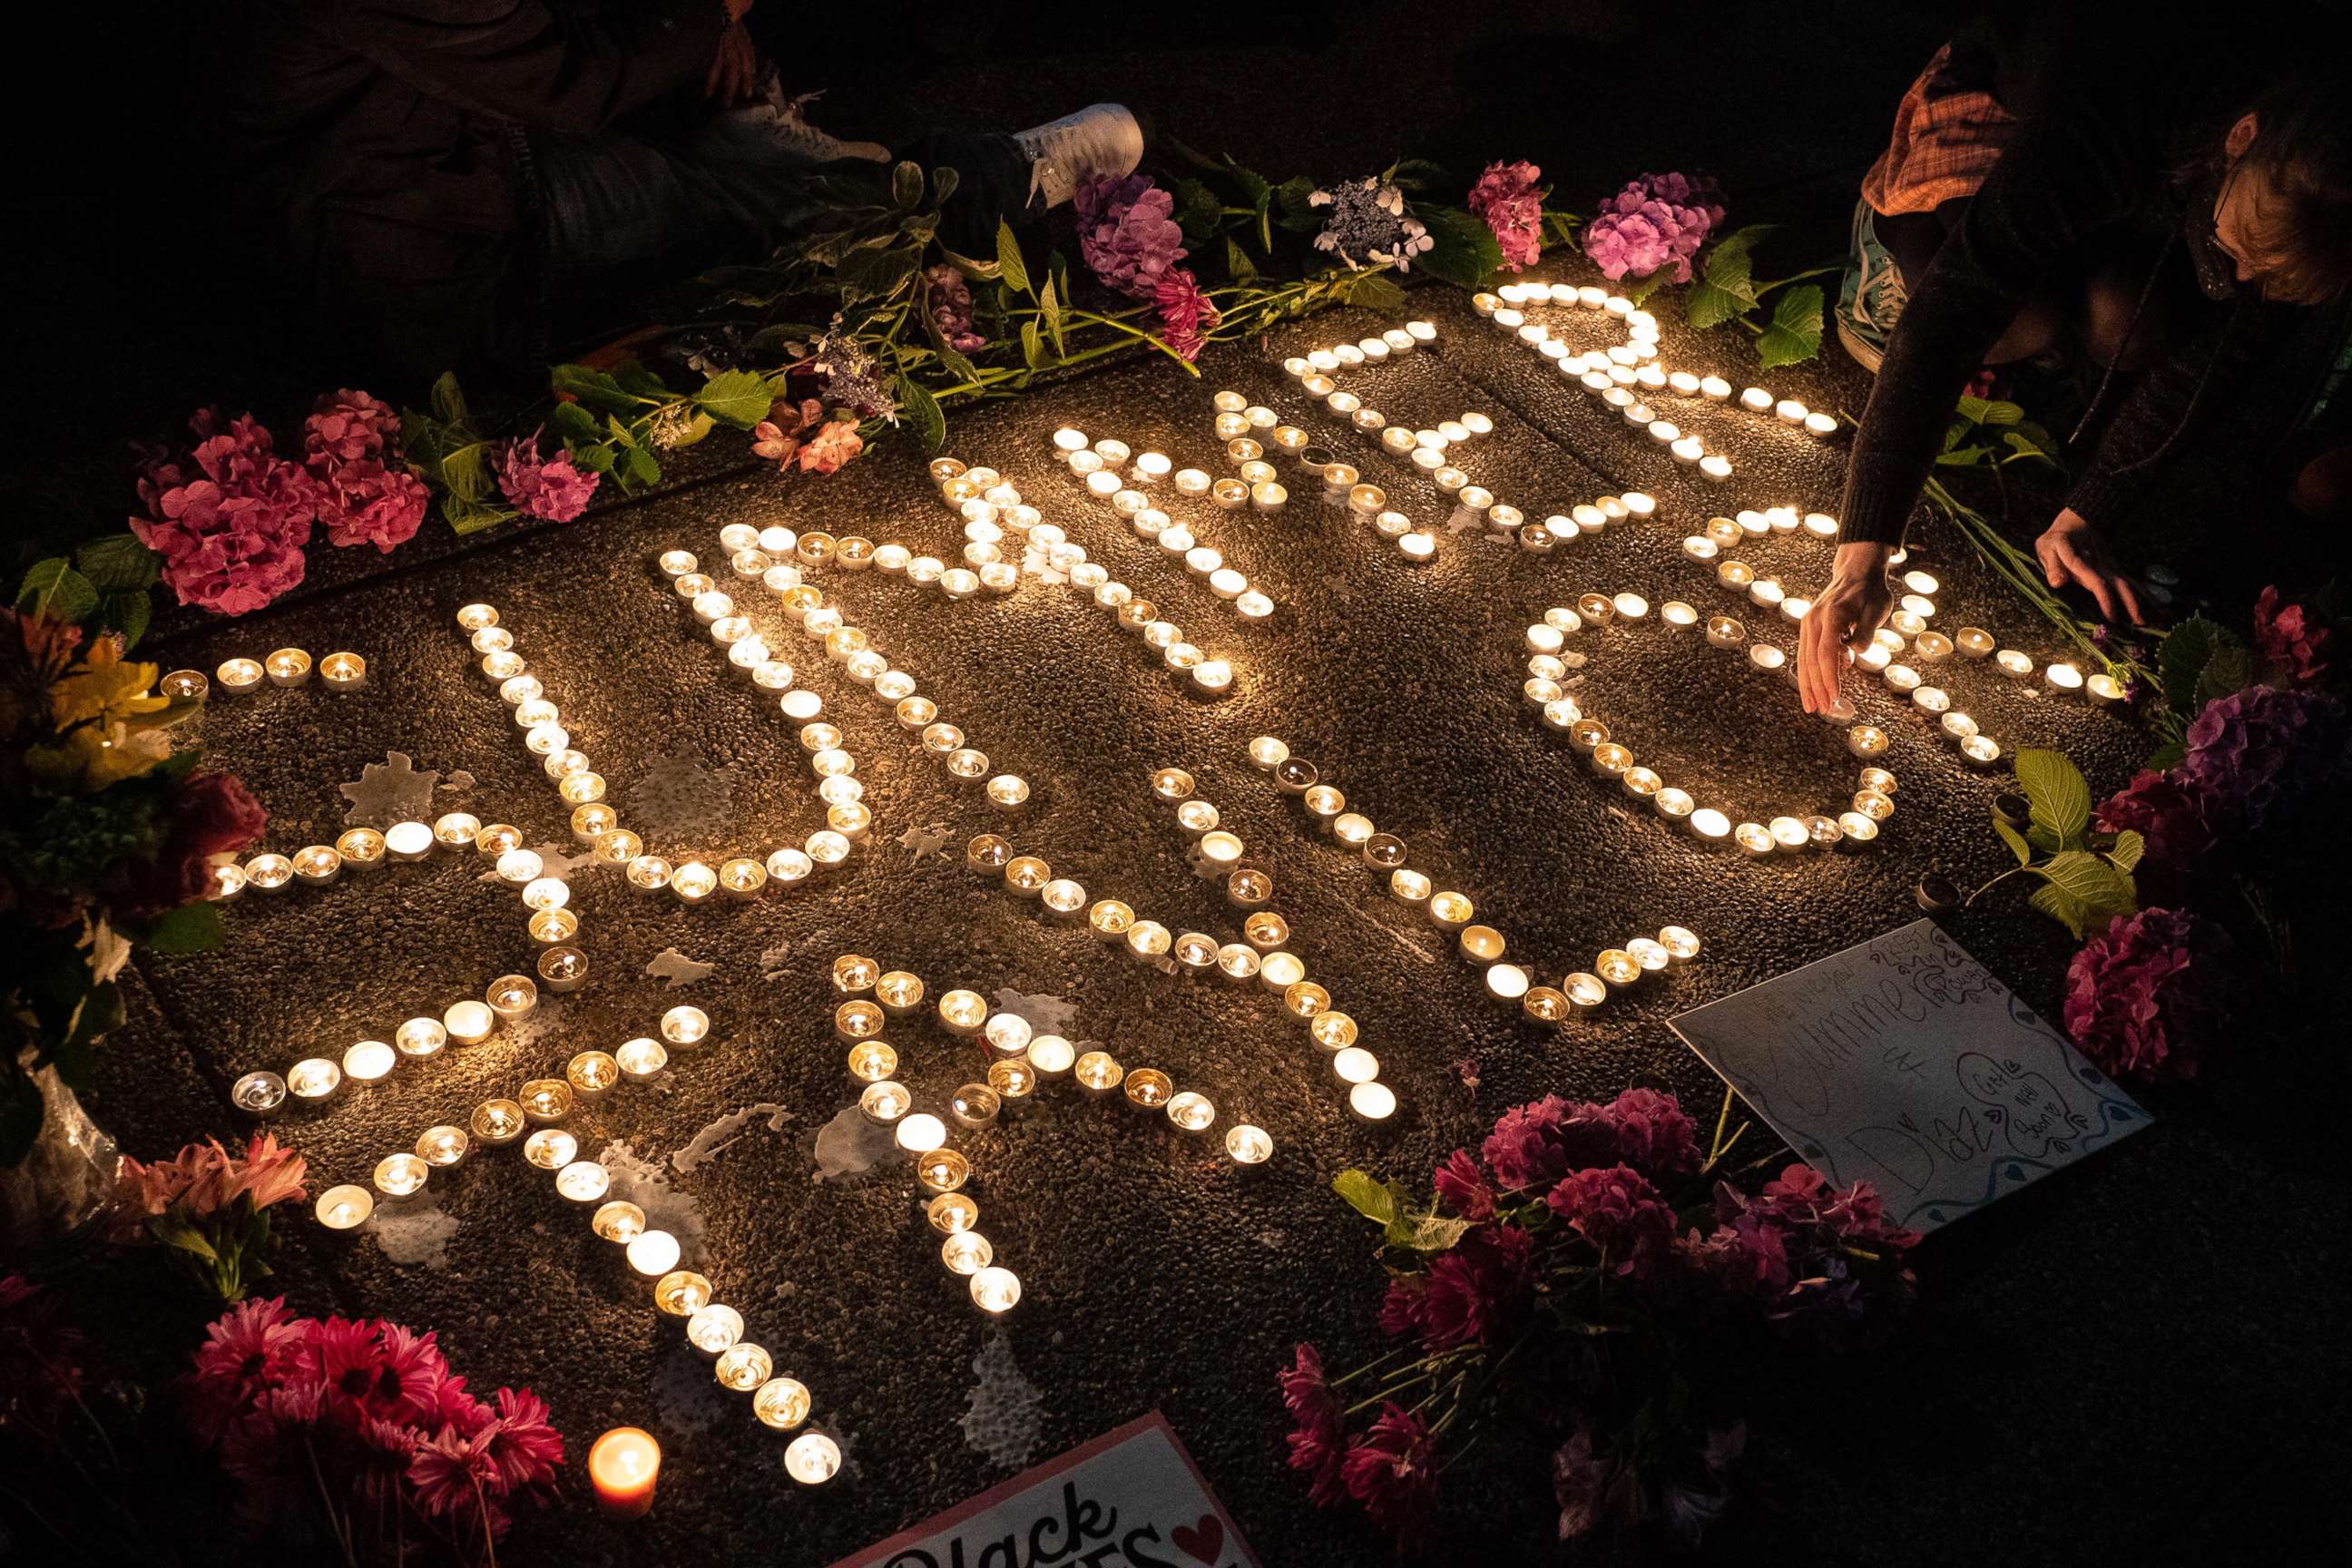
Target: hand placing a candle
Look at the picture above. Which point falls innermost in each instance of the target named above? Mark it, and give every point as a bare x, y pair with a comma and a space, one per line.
1842, 617
2071, 552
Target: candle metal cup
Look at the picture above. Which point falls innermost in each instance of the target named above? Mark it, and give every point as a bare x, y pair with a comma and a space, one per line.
260, 1095
1149, 1088
685, 1025
288, 667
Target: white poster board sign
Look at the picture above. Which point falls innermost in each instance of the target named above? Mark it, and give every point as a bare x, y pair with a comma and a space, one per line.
1130, 1498
1904, 1063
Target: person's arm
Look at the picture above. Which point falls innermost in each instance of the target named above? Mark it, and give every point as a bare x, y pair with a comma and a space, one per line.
2074, 167
565, 68
2189, 385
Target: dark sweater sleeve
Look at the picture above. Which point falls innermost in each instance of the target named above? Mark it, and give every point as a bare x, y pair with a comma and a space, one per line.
575, 66
2076, 164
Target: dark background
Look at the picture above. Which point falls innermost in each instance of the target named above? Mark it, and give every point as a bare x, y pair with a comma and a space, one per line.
2141, 1364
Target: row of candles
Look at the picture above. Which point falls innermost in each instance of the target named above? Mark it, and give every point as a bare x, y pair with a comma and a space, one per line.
1116, 474
1612, 761
1266, 953
854, 649
534, 1119
1207, 674
288, 667
1580, 992
597, 825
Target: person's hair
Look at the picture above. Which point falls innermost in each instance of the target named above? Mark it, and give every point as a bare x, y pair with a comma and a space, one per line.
2302, 153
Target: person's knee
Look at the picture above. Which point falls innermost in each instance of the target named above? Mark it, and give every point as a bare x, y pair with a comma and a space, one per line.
2031, 332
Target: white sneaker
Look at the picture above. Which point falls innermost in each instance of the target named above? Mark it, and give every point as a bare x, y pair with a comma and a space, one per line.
1101, 138
774, 128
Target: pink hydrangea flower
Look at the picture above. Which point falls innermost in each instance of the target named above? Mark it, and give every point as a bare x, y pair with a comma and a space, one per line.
231, 534
555, 489
2150, 996
1186, 317
1127, 233
2293, 641
1657, 221
832, 447
1507, 199
2172, 813
366, 495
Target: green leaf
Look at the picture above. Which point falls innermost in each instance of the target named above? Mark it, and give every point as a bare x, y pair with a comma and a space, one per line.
637, 467
449, 399
2182, 662
2230, 669
118, 561
944, 180
2096, 887
54, 587
128, 611
1416, 174
1366, 1197
906, 185
1033, 347
464, 472
1464, 253
2060, 906
1426, 1230
2015, 840
1377, 292
573, 422
869, 275
1239, 267
190, 928
2166, 756
1726, 287
1795, 333
1198, 210
465, 516
632, 377
737, 397
1049, 310
595, 388
1008, 259
1638, 289
1254, 189
923, 415
1290, 200
2127, 850
2055, 789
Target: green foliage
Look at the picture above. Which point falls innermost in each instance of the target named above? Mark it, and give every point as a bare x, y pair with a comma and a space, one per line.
2086, 878
1728, 289
53, 587
739, 399
1795, 333
923, 416
1991, 434
190, 928
1009, 265
453, 459
117, 563
1387, 1206
1725, 288
1465, 253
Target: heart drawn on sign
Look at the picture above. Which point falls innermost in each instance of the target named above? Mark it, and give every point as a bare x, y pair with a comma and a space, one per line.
1203, 1540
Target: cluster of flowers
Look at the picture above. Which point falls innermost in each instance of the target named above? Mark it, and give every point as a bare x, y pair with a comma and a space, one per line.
1130, 239
1509, 202
800, 432
231, 517
40, 1354
552, 489
2150, 996
1368, 223
366, 1416
102, 818
1576, 1221
1658, 221
209, 1206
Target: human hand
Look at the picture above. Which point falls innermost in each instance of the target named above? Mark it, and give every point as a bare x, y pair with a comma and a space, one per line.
2071, 552
1843, 615
735, 69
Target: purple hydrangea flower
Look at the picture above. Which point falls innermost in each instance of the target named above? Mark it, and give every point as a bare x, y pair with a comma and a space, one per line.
1127, 233
950, 309
1367, 223
2265, 755
1657, 221
2173, 813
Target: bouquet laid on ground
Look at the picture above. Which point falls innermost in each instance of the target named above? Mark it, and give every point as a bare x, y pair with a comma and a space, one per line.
210, 1207
107, 836
360, 1431
1595, 1255
2231, 828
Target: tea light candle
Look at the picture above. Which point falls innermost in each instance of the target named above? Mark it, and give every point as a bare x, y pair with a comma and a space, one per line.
996, 1291
2063, 679
1756, 400
1866, 740
1981, 750
1753, 837
683, 1025
624, 1466
2105, 689
1372, 1102
2013, 664
344, 1207
640, 1059
314, 1080
1714, 466
288, 667
343, 672
401, 1176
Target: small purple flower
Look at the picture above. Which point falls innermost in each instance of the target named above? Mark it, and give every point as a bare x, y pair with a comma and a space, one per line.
1127, 233
555, 489
950, 309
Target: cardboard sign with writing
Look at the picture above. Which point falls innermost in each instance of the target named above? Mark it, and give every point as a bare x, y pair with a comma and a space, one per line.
1132, 1499
1905, 1063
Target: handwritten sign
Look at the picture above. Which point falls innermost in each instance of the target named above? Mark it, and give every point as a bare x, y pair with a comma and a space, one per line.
1132, 1499
1904, 1063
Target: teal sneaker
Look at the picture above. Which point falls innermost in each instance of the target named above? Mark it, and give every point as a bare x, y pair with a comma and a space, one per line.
1870, 295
